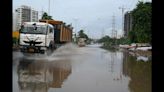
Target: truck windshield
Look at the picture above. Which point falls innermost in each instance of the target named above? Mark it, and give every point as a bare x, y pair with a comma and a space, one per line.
33, 30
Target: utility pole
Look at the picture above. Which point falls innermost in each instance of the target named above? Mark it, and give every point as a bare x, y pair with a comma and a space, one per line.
49, 7
102, 29
114, 31
102, 32
113, 26
75, 22
42, 13
122, 9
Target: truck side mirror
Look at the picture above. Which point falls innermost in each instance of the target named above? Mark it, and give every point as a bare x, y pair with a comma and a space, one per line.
19, 30
22, 27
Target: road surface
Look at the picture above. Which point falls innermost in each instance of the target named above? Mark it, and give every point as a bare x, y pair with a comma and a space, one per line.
80, 69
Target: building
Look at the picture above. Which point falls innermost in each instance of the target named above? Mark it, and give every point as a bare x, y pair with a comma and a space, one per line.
25, 14
34, 15
127, 23
14, 21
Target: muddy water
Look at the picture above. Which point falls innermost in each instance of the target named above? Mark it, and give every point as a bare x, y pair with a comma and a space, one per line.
84, 69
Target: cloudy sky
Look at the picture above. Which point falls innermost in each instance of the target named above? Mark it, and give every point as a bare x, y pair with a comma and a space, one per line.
94, 16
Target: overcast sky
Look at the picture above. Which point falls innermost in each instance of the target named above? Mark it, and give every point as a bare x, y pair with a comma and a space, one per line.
94, 16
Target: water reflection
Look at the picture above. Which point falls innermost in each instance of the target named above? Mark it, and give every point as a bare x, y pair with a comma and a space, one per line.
139, 73
116, 62
40, 75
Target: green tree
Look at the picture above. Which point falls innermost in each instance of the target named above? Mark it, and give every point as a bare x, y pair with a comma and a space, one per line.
81, 34
132, 37
123, 40
141, 30
46, 16
105, 39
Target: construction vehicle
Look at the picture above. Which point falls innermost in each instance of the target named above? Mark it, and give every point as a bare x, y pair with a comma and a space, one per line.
62, 32
38, 37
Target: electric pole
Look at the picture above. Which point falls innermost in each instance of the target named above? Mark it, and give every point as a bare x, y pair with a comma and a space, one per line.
75, 29
113, 26
42, 12
102, 33
122, 9
114, 31
49, 7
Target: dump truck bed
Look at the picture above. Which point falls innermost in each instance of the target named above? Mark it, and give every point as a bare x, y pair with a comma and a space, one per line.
63, 32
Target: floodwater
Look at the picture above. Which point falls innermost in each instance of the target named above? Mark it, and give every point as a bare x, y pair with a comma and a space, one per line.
81, 69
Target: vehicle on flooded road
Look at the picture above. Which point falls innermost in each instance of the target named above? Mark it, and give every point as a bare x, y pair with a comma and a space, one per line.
36, 37
42, 36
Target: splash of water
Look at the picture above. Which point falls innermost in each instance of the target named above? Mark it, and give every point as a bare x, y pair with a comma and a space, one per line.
62, 52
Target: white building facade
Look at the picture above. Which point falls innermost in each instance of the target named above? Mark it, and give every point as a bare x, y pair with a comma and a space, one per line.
25, 14
14, 22
34, 15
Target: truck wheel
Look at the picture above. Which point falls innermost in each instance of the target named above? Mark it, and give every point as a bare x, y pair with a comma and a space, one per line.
55, 47
49, 50
45, 53
51, 47
42, 52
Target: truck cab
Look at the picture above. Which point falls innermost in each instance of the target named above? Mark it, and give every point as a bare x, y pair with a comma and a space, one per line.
36, 37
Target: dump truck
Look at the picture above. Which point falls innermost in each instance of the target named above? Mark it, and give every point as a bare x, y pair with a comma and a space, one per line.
62, 32
38, 37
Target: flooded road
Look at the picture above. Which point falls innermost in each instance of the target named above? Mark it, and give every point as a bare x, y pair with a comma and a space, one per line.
81, 69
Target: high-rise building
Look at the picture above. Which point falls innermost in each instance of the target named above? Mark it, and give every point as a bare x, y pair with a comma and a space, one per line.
25, 14
14, 21
127, 23
34, 15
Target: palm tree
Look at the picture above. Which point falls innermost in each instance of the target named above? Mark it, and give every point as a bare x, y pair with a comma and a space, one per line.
82, 34
46, 16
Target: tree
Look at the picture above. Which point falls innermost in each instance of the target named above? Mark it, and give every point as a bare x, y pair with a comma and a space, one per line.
81, 34
46, 16
141, 29
105, 39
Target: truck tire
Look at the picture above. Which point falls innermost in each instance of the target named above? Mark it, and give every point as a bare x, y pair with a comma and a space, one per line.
50, 47
49, 50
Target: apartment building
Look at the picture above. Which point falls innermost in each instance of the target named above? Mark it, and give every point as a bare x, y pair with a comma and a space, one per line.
25, 14
127, 23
